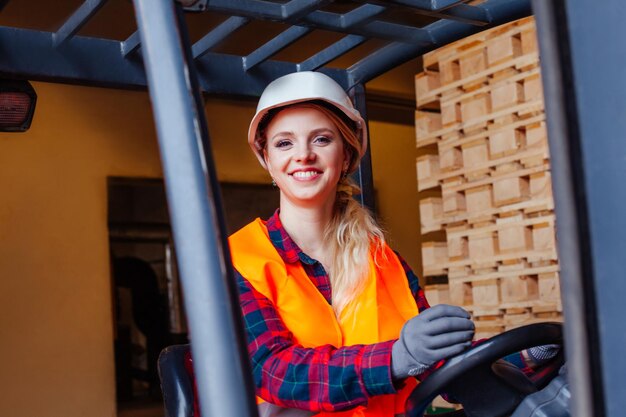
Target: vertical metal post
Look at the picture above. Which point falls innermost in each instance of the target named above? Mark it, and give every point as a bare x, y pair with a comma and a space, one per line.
217, 342
363, 176
584, 86
562, 135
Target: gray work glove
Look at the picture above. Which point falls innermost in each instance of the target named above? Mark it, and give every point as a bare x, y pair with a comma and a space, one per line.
438, 333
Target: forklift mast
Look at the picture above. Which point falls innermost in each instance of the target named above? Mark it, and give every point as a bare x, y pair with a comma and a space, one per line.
581, 63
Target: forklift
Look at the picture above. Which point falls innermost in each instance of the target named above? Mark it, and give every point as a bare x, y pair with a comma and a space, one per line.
581, 63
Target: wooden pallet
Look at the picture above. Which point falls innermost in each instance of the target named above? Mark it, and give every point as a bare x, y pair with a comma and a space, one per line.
494, 318
485, 162
490, 200
469, 63
490, 325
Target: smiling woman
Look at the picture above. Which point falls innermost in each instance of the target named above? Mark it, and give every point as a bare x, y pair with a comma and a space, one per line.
306, 161
330, 311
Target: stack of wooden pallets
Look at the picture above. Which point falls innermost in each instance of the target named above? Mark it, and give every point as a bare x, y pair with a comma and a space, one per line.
484, 161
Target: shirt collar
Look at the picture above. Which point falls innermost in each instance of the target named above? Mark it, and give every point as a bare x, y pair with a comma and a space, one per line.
288, 250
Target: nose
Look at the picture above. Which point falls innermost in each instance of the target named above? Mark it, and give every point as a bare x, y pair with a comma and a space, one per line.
304, 153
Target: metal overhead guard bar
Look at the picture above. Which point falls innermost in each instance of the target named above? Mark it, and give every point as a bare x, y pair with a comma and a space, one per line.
66, 56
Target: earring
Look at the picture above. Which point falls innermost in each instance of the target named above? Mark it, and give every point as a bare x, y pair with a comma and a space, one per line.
273, 183
344, 175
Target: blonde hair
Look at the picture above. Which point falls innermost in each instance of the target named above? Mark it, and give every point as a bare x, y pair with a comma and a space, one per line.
352, 232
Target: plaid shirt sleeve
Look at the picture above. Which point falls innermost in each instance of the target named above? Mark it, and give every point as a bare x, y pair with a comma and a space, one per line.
323, 378
414, 285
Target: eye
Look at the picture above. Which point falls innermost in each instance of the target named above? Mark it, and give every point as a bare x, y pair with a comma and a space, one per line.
282, 143
322, 139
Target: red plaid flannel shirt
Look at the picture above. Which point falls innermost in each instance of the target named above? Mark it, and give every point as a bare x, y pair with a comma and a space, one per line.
324, 378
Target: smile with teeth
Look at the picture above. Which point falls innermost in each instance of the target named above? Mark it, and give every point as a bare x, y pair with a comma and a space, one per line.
305, 175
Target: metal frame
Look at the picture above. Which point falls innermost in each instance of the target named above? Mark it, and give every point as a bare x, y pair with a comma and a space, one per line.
584, 87
174, 69
66, 56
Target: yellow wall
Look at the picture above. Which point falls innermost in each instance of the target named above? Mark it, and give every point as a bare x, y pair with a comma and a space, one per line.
395, 182
55, 295
228, 122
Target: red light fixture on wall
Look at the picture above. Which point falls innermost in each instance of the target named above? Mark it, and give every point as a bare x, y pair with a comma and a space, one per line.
17, 105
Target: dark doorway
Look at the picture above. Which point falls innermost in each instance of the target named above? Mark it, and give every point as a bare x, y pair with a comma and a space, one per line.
147, 298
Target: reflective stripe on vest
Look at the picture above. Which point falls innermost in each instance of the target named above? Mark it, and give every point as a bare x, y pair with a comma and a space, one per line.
385, 305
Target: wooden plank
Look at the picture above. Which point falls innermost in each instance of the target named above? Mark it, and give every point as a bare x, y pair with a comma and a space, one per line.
536, 135
465, 273
540, 185
522, 157
450, 113
427, 171
459, 94
437, 294
450, 159
543, 236
471, 43
457, 244
504, 142
475, 154
453, 202
425, 83
503, 48
494, 226
449, 71
431, 214
476, 107
472, 64
507, 94
549, 287
525, 64
434, 253
426, 123
448, 140
513, 234
486, 293
529, 41
531, 206
533, 90
460, 293
482, 247
499, 258
522, 288
536, 139
510, 190
479, 203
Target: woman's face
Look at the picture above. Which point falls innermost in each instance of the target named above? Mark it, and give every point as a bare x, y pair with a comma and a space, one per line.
305, 155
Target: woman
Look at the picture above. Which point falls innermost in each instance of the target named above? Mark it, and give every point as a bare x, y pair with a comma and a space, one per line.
335, 320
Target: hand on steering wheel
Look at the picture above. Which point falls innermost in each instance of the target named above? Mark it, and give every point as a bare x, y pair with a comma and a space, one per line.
471, 375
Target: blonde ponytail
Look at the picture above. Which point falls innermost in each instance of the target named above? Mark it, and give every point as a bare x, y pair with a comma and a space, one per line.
352, 232
351, 235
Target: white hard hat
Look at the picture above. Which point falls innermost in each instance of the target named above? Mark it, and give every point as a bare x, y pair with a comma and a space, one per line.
299, 87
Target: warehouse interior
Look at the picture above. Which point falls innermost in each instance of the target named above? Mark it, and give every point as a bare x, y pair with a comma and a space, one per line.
94, 191
461, 178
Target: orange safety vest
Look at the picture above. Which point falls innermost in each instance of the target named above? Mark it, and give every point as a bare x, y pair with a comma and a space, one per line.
377, 314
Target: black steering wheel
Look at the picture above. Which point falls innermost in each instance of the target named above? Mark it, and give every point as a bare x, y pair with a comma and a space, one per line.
485, 386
